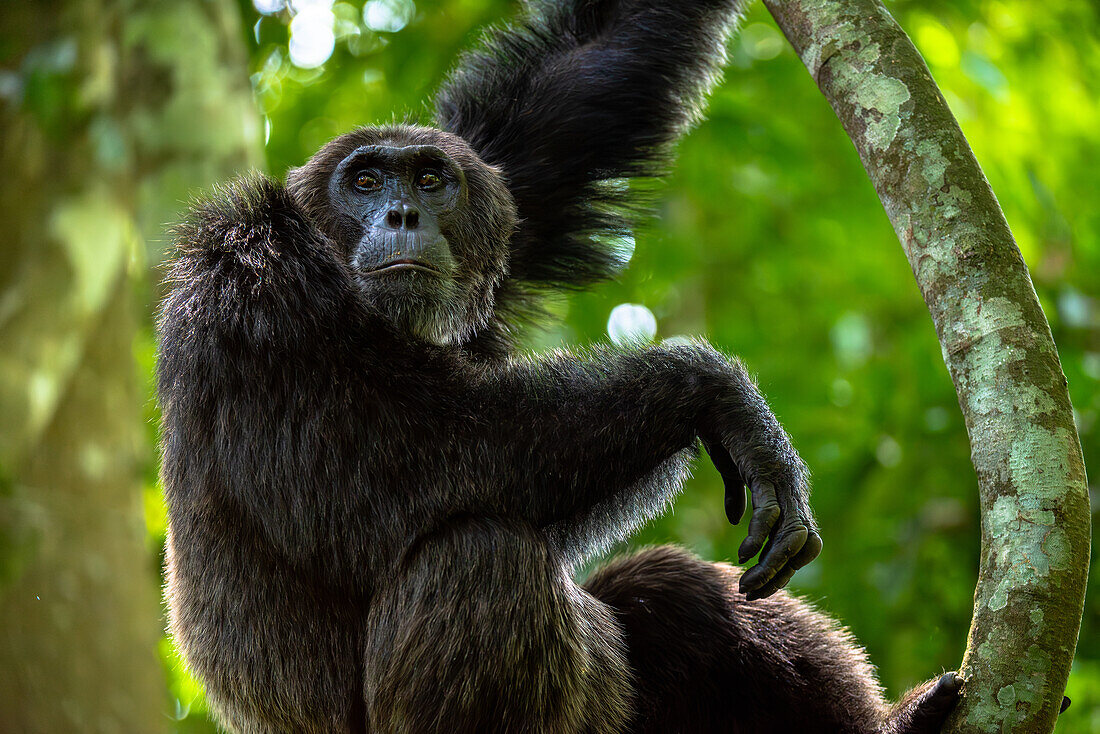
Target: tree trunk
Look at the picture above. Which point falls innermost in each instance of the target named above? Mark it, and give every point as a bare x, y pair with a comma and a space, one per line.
997, 346
110, 112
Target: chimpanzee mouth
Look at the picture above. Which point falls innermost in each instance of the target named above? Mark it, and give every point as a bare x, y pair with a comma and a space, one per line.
406, 264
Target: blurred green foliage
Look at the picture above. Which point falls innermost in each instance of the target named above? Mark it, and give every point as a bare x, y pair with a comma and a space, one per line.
770, 241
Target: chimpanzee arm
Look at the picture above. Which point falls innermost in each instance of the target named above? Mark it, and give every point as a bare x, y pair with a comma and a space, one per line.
580, 433
570, 100
256, 332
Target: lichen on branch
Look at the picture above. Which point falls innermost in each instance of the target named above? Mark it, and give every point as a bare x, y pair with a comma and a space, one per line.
996, 344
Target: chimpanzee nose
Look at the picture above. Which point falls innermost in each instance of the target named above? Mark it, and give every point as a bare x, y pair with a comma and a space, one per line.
402, 215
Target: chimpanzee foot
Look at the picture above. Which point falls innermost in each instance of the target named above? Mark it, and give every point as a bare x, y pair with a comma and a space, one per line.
924, 709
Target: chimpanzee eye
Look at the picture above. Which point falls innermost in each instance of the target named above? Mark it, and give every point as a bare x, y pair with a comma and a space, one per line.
428, 180
366, 181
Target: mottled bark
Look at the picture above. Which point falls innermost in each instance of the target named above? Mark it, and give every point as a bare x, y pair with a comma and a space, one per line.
997, 345
110, 113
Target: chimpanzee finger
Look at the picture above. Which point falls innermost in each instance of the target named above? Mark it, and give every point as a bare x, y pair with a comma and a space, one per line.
765, 513
768, 546
778, 582
786, 546
735, 502
809, 551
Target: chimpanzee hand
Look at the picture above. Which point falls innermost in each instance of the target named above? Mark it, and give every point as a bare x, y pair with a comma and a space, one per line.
781, 515
746, 442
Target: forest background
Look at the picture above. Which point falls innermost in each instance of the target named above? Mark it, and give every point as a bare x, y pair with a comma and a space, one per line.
767, 238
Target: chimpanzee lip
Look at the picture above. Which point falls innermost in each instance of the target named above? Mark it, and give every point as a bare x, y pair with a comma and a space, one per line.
403, 264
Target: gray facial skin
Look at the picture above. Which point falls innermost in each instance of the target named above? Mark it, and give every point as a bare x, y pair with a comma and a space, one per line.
397, 203
401, 196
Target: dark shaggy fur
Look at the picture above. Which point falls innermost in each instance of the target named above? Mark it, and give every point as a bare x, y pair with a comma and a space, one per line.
771, 666
376, 508
572, 101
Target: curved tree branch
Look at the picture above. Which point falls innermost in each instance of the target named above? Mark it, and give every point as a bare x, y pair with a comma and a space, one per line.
997, 346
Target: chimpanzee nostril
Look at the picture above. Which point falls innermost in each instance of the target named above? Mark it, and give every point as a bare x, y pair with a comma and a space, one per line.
402, 216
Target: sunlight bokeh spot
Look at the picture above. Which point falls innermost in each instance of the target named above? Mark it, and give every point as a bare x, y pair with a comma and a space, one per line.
888, 452
851, 337
762, 41
312, 39
268, 7
631, 323
303, 6
624, 248
388, 16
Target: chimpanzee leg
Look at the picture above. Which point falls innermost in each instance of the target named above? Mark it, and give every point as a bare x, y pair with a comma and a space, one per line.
706, 660
924, 709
